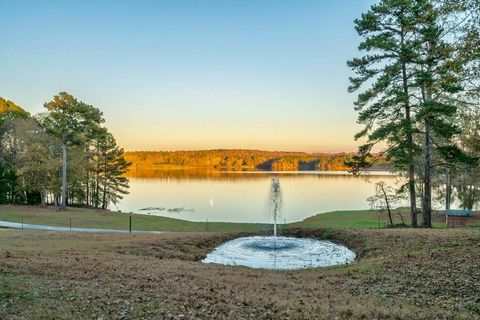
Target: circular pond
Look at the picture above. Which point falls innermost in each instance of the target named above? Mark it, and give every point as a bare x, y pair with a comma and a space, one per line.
283, 253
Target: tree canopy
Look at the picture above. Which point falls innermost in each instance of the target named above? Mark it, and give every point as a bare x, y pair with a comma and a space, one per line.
64, 156
420, 69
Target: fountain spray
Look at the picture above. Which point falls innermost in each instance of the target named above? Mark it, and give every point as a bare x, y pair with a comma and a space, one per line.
275, 202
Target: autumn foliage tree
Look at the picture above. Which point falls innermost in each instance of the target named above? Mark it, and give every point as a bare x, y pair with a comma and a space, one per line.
56, 157
9, 111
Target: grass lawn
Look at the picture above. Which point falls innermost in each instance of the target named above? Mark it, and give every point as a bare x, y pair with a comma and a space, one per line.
348, 219
399, 274
363, 219
102, 219
88, 218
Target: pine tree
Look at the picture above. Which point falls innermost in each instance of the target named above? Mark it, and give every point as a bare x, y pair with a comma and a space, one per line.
69, 120
422, 55
385, 108
112, 184
441, 68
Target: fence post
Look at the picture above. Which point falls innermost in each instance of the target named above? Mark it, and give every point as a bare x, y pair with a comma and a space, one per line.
130, 224
70, 224
22, 222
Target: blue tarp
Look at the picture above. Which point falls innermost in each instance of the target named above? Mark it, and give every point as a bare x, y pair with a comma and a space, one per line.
459, 213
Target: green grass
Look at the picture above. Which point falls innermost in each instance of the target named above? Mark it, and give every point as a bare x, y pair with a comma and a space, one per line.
102, 219
89, 218
362, 219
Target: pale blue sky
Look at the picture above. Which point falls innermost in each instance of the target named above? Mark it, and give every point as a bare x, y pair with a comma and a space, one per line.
194, 74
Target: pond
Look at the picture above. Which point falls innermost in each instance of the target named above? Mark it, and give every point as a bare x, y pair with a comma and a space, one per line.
280, 253
243, 196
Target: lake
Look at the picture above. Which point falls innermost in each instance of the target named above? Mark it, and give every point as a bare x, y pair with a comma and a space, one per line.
243, 196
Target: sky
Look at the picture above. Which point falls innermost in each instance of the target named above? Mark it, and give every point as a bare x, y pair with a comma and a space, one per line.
191, 74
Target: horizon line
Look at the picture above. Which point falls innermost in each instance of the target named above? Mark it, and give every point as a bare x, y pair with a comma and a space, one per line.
242, 149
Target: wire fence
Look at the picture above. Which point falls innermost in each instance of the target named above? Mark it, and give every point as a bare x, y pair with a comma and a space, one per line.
128, 224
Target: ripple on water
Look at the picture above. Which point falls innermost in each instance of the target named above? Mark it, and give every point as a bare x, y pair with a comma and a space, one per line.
283, 253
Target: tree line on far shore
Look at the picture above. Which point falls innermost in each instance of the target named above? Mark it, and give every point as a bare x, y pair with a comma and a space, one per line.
232, 159
64, 156
419, 78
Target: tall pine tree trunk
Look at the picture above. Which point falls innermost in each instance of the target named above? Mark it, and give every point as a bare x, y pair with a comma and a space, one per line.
43, 198
448, 189
411, 183
25, 193
104, 197
64, 175
97, 194
411, 164
96, 185
88, 188
12, 193
427, 181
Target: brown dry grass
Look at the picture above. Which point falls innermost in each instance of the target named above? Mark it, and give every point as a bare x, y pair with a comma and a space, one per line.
400, 274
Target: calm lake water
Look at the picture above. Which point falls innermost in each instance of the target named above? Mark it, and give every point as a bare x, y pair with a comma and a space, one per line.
243, 196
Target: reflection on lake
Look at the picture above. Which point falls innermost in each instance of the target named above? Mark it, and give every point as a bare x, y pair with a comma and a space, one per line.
243, 196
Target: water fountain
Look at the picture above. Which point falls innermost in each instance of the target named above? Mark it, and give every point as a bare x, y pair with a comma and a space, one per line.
275, 202
279, 252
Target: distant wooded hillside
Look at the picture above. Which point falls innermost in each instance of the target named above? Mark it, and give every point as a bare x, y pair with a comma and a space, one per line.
237, 160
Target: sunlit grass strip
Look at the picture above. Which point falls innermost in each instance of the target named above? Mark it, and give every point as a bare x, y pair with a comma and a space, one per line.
89, 218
